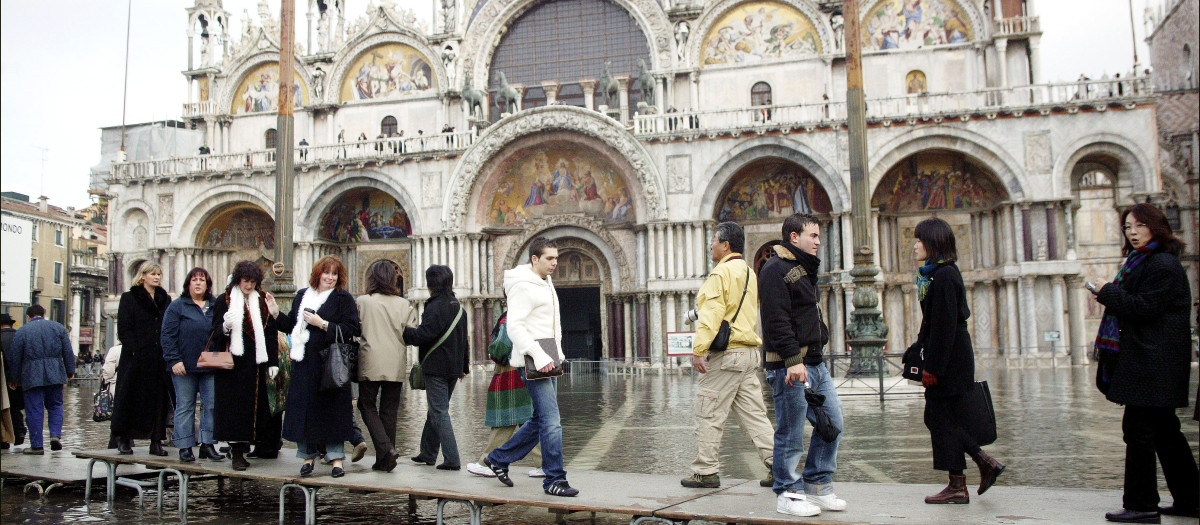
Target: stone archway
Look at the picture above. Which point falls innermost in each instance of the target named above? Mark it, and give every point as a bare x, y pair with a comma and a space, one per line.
979, 148
724, 170
580, 126
616, 268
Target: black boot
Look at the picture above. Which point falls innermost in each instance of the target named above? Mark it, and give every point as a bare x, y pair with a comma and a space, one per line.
208, 452
156, 448
239, 456
124, 446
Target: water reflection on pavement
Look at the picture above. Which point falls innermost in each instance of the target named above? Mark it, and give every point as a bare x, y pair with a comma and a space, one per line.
1054, 429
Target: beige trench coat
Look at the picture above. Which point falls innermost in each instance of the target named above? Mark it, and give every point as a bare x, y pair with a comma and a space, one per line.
382, 355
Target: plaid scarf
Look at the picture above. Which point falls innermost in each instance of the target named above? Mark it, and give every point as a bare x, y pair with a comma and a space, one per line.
925, 276
1108, 338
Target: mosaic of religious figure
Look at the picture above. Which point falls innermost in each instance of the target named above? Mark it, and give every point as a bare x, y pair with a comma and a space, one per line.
757, 31
239, 227
936, 181
387, 71
557, 180
362, 215
914, 83
771, 188
259, 91
911, 24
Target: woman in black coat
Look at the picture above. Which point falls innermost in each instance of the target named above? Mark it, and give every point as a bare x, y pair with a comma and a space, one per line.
143, 403
242, 324
949, 361
315, 418
1144, 350
442, 365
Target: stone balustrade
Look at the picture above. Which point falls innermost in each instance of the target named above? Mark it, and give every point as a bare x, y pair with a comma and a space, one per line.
1017, 26
197, 109
985, 102
377, 150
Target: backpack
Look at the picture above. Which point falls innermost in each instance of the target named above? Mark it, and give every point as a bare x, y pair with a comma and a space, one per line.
500, 349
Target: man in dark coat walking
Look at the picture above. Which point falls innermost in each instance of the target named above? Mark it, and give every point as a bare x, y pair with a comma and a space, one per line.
16, 398
43, 362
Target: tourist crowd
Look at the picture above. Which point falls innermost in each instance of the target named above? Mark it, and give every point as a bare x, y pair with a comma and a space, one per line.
262, 375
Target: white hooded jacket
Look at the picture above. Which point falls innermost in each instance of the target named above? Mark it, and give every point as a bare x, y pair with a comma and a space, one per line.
532, 314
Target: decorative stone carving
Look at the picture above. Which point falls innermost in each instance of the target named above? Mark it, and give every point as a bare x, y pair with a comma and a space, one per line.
681, 39
449, 17
449, 55
679, 173
431, 189
593, 225
536, 120
166, 209
318, 85
1037, 152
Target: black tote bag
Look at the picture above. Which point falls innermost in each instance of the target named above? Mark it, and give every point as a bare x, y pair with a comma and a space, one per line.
978, 414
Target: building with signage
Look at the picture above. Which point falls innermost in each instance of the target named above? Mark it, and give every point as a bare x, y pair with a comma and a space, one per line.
626, 129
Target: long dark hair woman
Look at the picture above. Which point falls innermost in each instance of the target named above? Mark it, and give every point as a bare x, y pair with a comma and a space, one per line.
243, 326
442, 338
382, 358
142, 403
949, 361
314, 417
1144, 353
185, 331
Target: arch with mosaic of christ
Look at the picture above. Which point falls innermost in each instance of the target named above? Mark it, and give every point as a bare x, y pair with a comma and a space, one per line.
364, 214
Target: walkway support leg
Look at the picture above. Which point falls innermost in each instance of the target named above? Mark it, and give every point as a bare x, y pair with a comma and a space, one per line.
476, 510
310, 502
183, 478
112, 480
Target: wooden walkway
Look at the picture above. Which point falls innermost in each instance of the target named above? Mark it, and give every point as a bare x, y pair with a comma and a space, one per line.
645, 499
56, 469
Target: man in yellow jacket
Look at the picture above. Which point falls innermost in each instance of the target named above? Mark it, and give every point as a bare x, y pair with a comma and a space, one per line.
729, 378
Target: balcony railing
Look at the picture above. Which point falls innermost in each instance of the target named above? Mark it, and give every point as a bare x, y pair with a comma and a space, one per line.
989, 101
1017, 26
378, 150
196, 109
88, 262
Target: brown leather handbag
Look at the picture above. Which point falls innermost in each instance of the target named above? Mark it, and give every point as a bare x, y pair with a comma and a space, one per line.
214, 360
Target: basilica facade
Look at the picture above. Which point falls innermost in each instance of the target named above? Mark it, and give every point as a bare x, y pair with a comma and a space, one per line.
627, 129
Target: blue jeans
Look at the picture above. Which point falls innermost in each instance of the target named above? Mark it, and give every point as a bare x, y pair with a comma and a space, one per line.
186, 389
791, 411
38, 402
333, 451
439, 431
544, 427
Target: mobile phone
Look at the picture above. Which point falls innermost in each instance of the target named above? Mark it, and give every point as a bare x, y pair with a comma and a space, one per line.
1091, 288
311, 311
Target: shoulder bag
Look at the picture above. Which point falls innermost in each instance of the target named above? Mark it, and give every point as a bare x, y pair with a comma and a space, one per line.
338, 362
416, 376
102, 403
978, 413
720, 342
214, 360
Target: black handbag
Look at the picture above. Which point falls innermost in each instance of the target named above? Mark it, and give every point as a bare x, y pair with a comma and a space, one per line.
720, 342
978, 414
339, 363
551, 349
913, 362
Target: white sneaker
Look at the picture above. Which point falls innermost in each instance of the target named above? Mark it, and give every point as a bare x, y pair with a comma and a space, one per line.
828, 501
537, 473
795, 504
480, 470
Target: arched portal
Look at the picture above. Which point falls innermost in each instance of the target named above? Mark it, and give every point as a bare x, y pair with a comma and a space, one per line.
768, 190
365, 224
243, 229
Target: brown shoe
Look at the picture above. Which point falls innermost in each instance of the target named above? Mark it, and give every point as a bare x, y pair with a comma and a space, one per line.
955, 492
989, 470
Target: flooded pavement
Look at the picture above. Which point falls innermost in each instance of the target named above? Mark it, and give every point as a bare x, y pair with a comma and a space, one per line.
1054, 429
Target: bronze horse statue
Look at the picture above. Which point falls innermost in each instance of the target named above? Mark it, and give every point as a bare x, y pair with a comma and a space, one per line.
609, 87
506, 95
646, 82
474, 99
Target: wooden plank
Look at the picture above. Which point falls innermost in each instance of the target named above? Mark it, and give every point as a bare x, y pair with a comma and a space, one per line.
59, 467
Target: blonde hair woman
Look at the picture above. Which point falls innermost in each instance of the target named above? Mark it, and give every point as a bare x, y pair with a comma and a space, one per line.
142, 404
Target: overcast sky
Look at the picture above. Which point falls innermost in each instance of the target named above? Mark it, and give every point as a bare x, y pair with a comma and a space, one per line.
62, 63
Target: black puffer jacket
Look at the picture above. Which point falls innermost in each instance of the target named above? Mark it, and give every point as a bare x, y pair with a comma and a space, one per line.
789, 306
1152, 304
450, 359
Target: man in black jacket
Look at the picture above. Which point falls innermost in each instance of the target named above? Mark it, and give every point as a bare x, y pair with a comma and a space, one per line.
794, 334
16, 397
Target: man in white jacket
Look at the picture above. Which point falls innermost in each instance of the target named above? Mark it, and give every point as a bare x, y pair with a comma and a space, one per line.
535, 329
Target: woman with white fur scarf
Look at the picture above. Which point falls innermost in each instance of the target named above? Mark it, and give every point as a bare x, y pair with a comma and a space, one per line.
243, 325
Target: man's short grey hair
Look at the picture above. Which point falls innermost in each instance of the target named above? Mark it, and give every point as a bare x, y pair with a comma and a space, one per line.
732, 233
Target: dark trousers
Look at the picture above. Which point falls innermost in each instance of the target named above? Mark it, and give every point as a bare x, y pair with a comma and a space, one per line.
949, 435
1151, 431
380, 418
270, 435
438, 431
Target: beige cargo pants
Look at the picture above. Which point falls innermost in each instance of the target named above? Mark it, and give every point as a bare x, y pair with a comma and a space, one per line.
731, 383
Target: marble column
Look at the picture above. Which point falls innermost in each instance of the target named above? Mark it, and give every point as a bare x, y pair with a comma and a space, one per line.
627, 328
970, 298
1035, 59
588, 86
847, 241
1007, 221
651, 251
1058, 293
642, 323
689, 250
1078, 339
660, 99
1069, 215
1002, 61
671, 298
837, 336
550, 88
910, 313
1012, 341
1026, 232
694, 103
669, 248
1029, 332
623, 96
656, 328
1052, 230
